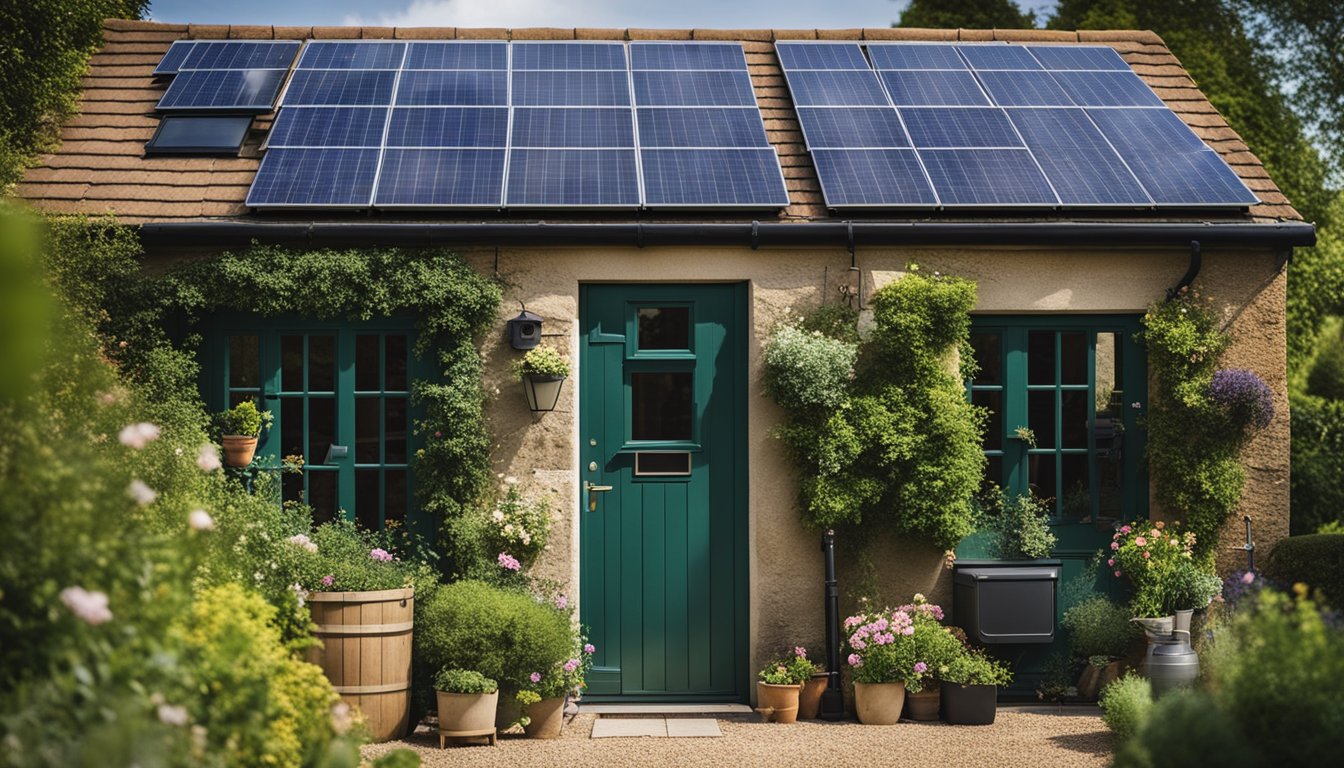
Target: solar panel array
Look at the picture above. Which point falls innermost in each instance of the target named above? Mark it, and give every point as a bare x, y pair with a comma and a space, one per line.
225, 75
995, 125
524, 124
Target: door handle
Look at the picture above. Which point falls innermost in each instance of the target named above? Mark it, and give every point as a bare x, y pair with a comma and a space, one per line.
593, 490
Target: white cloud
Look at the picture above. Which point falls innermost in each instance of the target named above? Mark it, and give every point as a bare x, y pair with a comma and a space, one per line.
501, 13
630, 13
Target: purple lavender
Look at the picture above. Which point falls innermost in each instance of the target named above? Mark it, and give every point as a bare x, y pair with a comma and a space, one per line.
1244, 395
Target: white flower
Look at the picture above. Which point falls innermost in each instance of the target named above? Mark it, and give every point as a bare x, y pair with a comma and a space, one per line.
137, 436
510, 480
208, 458
177, 451
302, 540
340, 717
508, 528
89, 606
526, 539
498, 515
200, 520
172, 715
141, 493
299, 592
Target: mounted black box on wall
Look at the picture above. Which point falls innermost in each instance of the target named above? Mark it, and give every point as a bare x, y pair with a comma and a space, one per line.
525, 330
1000, 602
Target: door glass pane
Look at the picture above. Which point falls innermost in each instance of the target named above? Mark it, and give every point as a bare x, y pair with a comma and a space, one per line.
322, 495
291, 428
1040, 357
244, 361
1110, 390
661, 406
987, 358
1041, 476
993, 400
394, 449
291, 488
665, 328
237, 397
1073, 357
1110, 475
1077, 499
1041, 417
366, 362
321, 426
395, 380
291, 363
993, 472
366, 498
1073, 418
321, 363
366, 429
394, 496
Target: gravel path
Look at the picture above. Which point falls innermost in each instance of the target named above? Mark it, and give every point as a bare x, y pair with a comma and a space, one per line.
1019, 737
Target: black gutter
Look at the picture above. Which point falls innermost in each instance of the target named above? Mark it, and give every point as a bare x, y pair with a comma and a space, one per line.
837, 234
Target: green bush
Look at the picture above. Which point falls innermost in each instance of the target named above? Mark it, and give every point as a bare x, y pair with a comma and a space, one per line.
503, 634
1317, 461
974, 667
243, 419
1316, 560
1019, 527
1185, 728
808, 370
1099, 627
543, 360
463, 681
1326, 377
1125, 705
341, 557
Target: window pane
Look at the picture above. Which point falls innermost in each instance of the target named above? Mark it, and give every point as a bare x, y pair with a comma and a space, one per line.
1073, 357
292, 428
396, 363
1041, 357
291, 488
1073, 415
665, 328
291, 363
366, 498
1077, 501
1110, 476
1041, 417
988, 358
394, 496
1041, 476
993, 472
244, 361
366, 429
322, 495
1110, 390
394, 449
366, 362
321, 427
661, 406
993, 400
321, 363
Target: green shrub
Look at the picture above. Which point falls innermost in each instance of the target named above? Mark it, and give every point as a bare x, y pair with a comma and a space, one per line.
398, 758
1125, 705
1190, 587
1019, 527
543, 360
1316, 560
243, 419
806, 370
504, 634
1099, 627
1326, 377
341, 557
1186, 728
463, 681
1317, 462
974, 667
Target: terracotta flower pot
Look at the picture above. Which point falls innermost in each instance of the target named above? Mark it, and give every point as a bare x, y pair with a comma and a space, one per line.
809, 699
467, 714
777, 702
546, 717
922, 706
969, 704
1093, 680
239, 450
879, 703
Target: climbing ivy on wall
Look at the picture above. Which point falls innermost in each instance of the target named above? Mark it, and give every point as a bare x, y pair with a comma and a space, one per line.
151, 327
880, 430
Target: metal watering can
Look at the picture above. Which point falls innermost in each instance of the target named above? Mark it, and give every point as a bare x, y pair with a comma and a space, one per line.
1171, 662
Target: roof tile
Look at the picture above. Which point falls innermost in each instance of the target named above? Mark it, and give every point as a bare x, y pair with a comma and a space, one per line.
543, 33
908, 33
659, 34
599, 33
293, 33
483, 33
207, 31
855, 33
336, 33
377, 33
1118, 35
251, 32
425, 33
1036, 35
975, 35
794, 34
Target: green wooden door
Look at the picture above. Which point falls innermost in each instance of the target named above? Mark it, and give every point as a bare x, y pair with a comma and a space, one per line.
339, 394
663, 583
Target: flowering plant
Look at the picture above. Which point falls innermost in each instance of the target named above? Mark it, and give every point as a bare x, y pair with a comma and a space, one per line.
340, 557
794, 669
882, 648
1159, 561
542, 361
1244, 398
936, 646
518, 526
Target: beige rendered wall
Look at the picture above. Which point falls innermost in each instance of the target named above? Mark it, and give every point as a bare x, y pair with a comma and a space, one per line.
785, 564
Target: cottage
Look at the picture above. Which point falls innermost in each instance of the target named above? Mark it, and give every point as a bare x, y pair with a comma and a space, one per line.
656, 202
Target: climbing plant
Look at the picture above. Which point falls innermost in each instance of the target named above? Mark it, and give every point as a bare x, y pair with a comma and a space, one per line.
880, 429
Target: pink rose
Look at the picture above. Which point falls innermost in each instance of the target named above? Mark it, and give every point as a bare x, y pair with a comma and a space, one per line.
1125, 529
1147, 555
1117, 574
535, 677
1111, 562
1115, 545
589, 648
1142, 542
855, 660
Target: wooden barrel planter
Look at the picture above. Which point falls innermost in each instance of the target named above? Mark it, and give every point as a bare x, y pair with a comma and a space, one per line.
366, 654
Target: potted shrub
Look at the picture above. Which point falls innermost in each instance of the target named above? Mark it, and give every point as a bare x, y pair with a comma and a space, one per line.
361, 595
970, 688
467, 703
809, 698
935, 648
543, 372
779, 685
241, 426
1101, 633
544, 702
882, 663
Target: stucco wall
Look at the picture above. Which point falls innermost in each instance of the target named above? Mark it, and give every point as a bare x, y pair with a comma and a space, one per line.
785, 564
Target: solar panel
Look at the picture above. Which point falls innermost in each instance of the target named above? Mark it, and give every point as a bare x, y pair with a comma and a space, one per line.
1024, 89
915, 57
340, 178
328, 127
576, 128
449, 127
1107, 89
867, 127
712, 177
239, 90
571, 89
712, 88
453, 88
1171, 162
457, 55
568, 56
572, 178
988, 177
1077, 159
241, 55
1065, 57
873, 177
728, 127
836, 88
441, 177
982, 57
951, 127
177, 53
832, 56
352, 55
686, 56
933, 88
340, 88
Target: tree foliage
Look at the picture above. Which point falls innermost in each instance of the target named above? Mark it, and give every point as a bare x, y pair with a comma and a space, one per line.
971, 14
44, 48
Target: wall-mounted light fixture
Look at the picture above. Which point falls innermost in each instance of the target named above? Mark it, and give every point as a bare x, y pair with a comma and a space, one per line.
542, 390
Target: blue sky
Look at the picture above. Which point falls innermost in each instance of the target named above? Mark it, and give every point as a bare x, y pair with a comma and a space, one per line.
542, 13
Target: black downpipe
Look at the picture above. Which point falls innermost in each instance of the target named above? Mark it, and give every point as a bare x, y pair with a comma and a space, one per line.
833, 698
1191, 272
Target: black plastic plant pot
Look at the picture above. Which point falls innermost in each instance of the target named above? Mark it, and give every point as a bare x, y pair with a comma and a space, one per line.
969, 704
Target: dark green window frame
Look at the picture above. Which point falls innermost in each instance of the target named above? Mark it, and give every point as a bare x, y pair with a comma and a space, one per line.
1038, 370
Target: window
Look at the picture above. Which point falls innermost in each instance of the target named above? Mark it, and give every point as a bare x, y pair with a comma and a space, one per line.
1069, 385
199, 135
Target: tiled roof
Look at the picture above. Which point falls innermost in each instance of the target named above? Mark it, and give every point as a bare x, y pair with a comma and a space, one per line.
100, 166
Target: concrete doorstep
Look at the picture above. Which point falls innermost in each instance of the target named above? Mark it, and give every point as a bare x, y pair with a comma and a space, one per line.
658, 727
